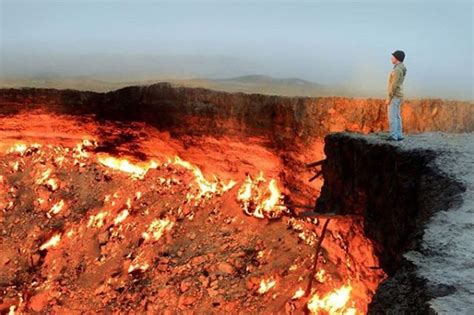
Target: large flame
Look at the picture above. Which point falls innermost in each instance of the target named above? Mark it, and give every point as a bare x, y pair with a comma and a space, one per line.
261, 201
334, 302
138, 170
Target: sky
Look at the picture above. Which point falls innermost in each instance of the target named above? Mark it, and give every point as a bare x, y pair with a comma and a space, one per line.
327, 42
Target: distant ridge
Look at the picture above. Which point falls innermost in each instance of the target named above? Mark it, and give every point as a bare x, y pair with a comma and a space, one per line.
258, 78
253, 83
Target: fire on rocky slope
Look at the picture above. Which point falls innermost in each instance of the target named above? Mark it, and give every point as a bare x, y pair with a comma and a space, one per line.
173, 200
83, 229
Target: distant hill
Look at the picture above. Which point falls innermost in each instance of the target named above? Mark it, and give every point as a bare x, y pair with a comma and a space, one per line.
260, 84
247, 84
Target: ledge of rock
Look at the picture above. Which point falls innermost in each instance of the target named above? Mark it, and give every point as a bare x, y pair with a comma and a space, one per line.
282, 120
417, 200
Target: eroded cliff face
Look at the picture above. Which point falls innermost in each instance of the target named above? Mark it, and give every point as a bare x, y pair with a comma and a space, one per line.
396, 187
280, 119
291, 127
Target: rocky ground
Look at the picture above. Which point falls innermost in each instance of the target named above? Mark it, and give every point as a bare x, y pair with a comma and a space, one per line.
85, 226
446, 255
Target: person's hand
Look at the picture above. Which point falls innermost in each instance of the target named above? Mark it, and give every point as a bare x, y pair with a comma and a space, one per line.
387, 101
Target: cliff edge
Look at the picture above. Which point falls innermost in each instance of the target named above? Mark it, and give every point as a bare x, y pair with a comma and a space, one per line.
418, 203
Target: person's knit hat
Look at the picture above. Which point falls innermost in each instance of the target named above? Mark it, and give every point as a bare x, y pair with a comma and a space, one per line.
399, 55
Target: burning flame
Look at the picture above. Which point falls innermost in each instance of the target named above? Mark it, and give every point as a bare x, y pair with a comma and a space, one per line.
52, 242
98, 219
57, 207
205, 186
266, 285
135, 170
142, 267
52, 184
298, 294
44, 176
321, 275
121, 217
332, 303
18, 148
157, 228
259, 202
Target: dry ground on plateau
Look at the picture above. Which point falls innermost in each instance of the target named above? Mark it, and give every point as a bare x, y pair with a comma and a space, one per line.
103, 217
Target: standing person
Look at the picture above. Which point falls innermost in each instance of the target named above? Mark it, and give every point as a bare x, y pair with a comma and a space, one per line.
395, 95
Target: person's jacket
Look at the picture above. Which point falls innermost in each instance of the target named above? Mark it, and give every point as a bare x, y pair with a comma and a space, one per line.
395, 81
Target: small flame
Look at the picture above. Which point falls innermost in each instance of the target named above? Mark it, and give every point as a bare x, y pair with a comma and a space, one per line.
332, 303
78, 151
57, 207
59, 160
266, 285
205, 186
321, 275
298, 294
121, 217
157, 228
16, 166
70, 233
98, 219
18, 148
44, 176
52, 184
142, 267
52, 242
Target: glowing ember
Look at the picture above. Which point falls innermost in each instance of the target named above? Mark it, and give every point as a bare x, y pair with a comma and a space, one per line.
52, 242
124, 165
298, 294
157, 228
334, 302
266, 285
